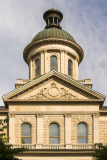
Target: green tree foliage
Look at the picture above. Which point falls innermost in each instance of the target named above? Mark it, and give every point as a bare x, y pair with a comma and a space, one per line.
101, 153
6, 150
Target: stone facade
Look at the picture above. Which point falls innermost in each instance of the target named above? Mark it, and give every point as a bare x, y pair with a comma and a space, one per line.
48, 119
103, 130
55, 96
19, 120
76, 119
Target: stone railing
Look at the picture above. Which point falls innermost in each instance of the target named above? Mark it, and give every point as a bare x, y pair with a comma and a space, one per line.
56, 146
83, 146
53, 146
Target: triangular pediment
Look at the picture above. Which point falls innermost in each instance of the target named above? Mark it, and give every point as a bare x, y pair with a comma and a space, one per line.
53, 86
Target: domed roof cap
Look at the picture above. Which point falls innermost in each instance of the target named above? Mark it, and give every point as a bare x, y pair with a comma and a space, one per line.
53, 33
52, 10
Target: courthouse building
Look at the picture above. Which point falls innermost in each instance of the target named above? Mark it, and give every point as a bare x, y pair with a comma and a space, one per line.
53, 113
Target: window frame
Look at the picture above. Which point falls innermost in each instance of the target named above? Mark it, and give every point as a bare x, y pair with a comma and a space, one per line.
54, 136
25, 136
54, 64
82, 136
36, 67
71, 69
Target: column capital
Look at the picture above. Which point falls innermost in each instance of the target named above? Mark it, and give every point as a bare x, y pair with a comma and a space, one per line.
96, 115
40, 115
68, 115
11, 115
64, 51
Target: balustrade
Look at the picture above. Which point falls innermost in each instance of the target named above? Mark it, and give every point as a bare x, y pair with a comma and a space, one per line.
55, 146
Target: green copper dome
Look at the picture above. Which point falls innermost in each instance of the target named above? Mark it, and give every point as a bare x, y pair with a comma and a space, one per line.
53, 33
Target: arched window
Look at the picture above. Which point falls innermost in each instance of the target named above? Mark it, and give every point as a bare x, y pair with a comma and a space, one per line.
26, 133
82, 133
69, 67
54, 133
53, 63
37, 67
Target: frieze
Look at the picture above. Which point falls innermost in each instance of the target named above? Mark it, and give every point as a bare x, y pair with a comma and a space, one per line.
53, 92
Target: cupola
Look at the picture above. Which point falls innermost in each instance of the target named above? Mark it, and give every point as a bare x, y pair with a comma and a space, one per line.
53, 18
53, 49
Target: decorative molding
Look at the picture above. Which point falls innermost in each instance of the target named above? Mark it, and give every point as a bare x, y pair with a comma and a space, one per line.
96, 115
53, 91
68, 115
40, 115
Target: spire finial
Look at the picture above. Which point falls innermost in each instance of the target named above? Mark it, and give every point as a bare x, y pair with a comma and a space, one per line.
52, 5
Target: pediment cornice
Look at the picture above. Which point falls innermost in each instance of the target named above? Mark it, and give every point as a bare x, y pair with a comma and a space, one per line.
46, 77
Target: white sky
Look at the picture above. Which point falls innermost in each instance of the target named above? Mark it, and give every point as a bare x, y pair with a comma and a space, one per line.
21, 20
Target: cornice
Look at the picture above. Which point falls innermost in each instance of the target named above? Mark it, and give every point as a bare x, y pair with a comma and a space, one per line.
53, 112
73, 45
86, 152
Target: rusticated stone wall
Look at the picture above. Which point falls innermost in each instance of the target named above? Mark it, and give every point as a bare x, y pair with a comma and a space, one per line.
47, 120
75, 119
19, 120
103, 131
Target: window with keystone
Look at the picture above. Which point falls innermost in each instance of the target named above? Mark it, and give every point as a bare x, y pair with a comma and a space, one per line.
37, 67
69, 67
26, 133
54, 133
82, 133
53, 63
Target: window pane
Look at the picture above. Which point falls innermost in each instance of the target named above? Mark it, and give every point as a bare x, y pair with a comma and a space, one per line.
54, 67
54, 130
26, 140
69, 64
54, 140
37, 66
82, 129
82, 140
37, 71
37, 63
69, 71
26, 130
53, 60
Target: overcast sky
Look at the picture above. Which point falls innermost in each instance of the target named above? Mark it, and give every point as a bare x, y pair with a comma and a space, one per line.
21, 20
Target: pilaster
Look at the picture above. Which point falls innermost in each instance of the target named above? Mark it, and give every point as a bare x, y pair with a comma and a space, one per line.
96, 128
39, 130
67, 129
12, 128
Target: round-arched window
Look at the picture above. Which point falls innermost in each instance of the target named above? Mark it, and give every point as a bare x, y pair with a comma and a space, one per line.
82, 133
37, 67
69, 67
26, 133
53, 65
54, 133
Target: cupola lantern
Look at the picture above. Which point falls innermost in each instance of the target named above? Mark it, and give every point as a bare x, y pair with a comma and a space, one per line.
53, 18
